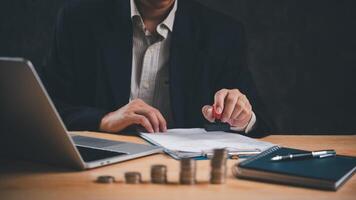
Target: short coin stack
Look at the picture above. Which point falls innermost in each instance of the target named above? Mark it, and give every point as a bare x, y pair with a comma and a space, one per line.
159, 174
133, 177
105, 179
218, 166
187, 171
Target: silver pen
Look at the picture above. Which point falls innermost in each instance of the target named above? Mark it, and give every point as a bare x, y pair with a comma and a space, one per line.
235, 154
314, 154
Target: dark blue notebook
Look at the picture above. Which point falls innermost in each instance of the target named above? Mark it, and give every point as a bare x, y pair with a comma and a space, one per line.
325, 173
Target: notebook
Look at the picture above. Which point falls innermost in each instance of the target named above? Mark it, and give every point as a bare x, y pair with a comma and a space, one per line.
324, 173
196, 142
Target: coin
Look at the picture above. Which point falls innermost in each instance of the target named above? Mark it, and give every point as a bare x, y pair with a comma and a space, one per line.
105, 179
159, 174
133, 177
218, 166
187, 174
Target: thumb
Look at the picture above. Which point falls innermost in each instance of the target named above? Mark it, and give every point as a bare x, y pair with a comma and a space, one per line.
208, 113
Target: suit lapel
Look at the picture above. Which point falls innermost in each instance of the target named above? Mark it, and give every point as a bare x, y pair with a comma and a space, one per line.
116, 52
181, 64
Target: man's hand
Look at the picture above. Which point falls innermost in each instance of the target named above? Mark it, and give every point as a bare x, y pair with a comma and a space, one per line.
135, 112
233, 106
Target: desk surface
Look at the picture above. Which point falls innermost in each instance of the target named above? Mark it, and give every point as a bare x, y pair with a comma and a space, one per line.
23, 180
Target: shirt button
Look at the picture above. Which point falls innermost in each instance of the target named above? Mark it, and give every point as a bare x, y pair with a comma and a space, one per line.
145, 85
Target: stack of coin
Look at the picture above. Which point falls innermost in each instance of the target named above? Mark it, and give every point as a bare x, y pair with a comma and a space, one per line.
133, 177
105, 179
218, 166
187, 171
159, 174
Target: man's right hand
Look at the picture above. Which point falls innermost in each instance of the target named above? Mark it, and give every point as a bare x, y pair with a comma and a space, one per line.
135, 112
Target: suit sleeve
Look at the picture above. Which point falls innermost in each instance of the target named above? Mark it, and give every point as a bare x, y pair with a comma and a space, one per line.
237, 75
59, 78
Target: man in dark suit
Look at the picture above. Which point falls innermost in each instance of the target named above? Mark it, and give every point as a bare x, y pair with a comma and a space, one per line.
153, 63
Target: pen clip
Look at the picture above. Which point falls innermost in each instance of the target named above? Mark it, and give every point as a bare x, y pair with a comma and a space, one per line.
326, 155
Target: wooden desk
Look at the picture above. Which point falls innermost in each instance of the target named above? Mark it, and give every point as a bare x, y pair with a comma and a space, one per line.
21, 180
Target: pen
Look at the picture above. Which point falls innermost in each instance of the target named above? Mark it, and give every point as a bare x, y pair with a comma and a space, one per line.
235, 155
314, 154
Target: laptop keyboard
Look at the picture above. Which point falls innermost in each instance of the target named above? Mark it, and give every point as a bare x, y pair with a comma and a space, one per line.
91, 154
94, 142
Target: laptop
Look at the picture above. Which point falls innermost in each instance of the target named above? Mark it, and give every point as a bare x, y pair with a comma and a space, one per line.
32, 129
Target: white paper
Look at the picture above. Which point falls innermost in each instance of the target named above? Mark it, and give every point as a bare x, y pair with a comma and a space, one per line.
198, 140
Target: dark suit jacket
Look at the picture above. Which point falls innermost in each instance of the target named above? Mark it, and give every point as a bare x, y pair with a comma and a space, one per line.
89, 67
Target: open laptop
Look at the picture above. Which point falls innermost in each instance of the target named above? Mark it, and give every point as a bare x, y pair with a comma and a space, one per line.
32, 129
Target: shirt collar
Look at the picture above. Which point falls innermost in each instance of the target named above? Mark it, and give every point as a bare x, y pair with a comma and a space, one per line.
134, 10
168, 21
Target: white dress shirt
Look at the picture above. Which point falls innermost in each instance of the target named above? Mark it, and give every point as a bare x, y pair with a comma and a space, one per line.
150, 70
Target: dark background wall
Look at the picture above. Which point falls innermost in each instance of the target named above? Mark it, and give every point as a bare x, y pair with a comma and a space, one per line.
302, 54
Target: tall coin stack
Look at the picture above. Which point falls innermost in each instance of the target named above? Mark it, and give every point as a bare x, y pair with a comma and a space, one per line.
187, 171
218, 166
159, 174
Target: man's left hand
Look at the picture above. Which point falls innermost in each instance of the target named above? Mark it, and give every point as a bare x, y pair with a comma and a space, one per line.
232, 105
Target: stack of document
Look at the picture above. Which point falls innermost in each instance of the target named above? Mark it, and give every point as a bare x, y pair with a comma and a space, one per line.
183, 143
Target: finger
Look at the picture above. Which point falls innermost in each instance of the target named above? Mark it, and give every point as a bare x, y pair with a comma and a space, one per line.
162, 121
219, 99
238, 108
247, 102
208, 113
244, 104
150, 114
155, 117
143, 121
230, 103
242, 120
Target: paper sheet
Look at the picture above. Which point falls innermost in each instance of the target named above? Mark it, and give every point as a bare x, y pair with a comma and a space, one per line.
198, 140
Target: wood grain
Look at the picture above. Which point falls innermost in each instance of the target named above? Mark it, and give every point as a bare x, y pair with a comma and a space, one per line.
25, 180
